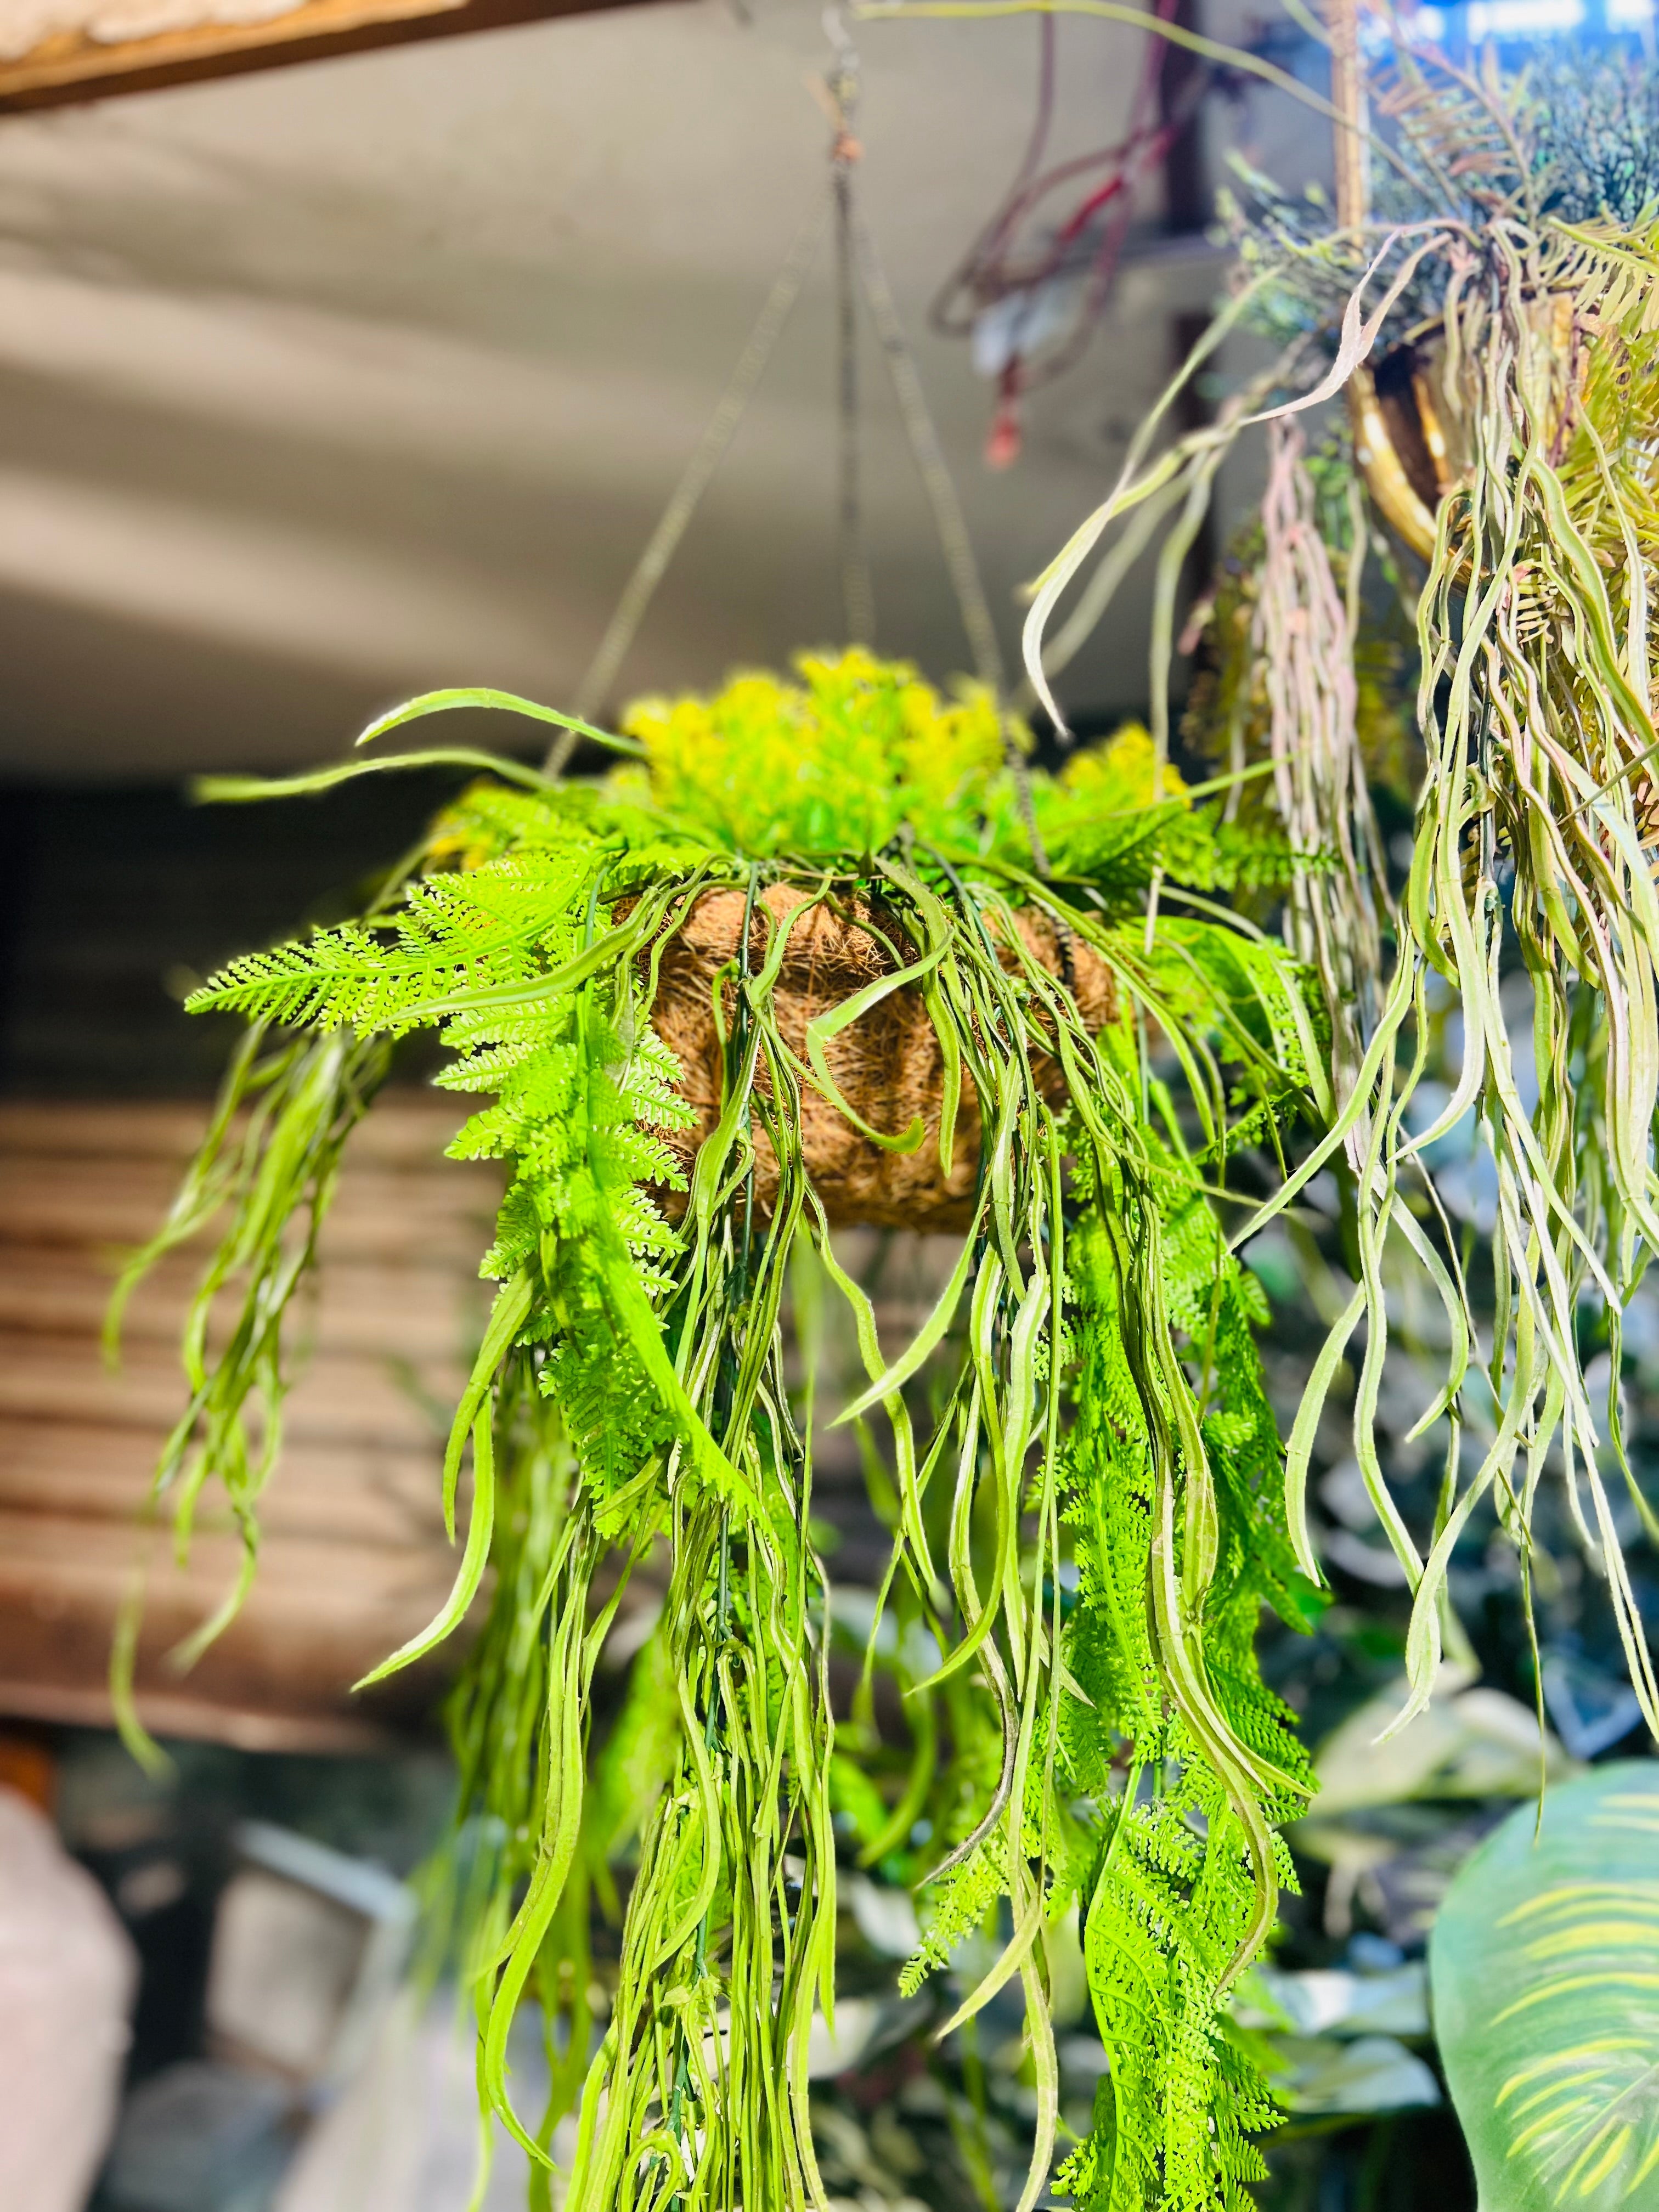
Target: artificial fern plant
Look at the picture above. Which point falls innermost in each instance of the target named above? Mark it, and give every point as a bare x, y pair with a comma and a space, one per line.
1063, 1046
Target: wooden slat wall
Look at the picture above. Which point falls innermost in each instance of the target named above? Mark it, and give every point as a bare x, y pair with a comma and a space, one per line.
353, 1559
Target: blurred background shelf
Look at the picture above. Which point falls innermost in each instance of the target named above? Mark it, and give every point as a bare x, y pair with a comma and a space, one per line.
354, 1558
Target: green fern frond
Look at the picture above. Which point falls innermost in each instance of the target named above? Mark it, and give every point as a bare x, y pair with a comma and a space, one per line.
1173, 1891
633, 1388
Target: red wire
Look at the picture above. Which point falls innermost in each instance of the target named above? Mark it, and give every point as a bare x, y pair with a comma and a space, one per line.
990, 273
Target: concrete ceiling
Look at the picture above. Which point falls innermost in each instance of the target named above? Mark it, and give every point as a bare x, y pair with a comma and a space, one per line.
325, 385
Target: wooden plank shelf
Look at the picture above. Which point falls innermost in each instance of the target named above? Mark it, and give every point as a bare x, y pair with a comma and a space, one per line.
354, 1558
90, 1205
357, 1307
374, 1495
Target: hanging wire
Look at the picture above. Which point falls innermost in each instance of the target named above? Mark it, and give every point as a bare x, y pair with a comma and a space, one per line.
954, 541
859, 268
640, 587
857, 594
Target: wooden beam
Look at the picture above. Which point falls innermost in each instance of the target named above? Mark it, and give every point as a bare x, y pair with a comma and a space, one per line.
1352, 151
72, 66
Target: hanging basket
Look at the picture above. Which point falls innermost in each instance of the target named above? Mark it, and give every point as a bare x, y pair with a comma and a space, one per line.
1405, 437
888, 1067
1406, 443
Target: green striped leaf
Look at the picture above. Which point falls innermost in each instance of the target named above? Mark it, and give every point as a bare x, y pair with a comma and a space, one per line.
1545, 1963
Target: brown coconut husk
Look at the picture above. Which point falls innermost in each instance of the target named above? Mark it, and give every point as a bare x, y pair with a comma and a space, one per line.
887, 1065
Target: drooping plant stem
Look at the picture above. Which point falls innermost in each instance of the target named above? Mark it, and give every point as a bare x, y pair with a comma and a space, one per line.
1081, 1408
1522, 329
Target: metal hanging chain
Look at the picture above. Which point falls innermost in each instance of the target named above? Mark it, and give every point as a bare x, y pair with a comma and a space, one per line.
857, 594
640, 587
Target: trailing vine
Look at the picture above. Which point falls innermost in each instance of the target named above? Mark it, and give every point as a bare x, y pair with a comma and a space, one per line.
1084, 1477
1491, 307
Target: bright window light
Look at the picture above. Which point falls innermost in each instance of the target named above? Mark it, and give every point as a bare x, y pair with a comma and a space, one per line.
1443, 22
1522, 19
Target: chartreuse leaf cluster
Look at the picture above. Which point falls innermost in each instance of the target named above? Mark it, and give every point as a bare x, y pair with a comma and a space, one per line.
859, 752
1073, 1452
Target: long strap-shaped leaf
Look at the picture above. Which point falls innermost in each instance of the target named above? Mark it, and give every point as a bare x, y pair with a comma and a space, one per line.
474, 1559
829, 1024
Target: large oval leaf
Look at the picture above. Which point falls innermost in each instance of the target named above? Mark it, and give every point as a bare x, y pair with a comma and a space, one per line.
1544, 1971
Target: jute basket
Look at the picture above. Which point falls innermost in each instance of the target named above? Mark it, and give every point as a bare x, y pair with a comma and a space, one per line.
887, 1066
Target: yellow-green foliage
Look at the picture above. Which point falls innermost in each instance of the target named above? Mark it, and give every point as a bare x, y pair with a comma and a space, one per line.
860, 751
638, 1386
833, 763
